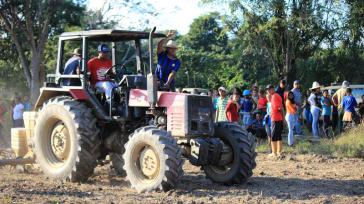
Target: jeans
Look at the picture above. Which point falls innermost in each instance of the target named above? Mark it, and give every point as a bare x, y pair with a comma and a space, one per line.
291, 122
297, 126
340, 120
308, 116
246, 119
105, 87
315, 119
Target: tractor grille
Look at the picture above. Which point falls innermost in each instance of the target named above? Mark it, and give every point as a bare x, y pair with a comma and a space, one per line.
200, 121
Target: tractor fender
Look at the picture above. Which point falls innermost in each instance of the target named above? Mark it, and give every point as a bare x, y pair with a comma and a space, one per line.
47, 93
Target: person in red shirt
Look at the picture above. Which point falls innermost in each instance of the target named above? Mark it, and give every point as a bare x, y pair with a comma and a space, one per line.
276, 114
262, 101
99, 67
232, 108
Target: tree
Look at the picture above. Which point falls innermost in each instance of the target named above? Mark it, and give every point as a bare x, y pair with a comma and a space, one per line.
34, 21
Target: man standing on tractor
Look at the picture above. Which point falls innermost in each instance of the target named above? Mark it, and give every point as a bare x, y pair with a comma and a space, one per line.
99, 67
168, 63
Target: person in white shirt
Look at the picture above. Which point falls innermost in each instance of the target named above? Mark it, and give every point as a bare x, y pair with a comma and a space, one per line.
18, 113
315, 107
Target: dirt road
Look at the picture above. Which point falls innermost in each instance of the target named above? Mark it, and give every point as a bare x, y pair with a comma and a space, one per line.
294, 179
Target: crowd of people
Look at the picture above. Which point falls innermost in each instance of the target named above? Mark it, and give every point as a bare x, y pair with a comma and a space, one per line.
265, 112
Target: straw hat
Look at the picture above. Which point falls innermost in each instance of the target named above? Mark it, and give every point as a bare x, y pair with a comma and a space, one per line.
345, 84
171, 44
222, 89
77, 51
315, 85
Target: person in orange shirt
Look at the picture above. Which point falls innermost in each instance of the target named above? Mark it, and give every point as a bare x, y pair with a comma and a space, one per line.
276, 114
291, 118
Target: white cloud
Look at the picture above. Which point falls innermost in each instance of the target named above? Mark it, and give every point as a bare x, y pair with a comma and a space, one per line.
172, 14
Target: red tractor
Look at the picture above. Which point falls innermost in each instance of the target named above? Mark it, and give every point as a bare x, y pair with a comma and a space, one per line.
145, 132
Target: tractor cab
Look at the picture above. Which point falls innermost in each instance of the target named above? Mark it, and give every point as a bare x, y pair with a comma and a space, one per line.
128, 65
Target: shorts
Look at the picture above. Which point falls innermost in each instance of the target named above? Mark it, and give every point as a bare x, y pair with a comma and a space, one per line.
277, 128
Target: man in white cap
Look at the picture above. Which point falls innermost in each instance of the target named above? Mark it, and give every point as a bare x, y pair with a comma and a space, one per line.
222, 102
73, 67
337, 99
315, 103
168, 63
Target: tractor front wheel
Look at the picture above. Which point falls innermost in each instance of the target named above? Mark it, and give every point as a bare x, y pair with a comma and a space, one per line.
66, 141
152, 160
240, 149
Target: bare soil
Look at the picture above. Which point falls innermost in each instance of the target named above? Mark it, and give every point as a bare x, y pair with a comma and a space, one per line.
293, 179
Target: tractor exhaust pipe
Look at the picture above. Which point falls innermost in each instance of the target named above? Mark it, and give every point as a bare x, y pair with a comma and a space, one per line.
151, 78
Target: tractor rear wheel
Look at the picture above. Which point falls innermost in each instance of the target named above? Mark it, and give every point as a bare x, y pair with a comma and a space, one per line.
66, 141
152, 160
242, 163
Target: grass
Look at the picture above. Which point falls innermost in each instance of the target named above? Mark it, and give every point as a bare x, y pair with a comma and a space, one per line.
349, 144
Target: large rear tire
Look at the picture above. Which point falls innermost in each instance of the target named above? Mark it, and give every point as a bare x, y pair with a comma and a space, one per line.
66, 141
242, 145
152, 160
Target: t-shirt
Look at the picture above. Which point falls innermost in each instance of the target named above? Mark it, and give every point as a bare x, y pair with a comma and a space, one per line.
221, 104
27, 106
339, 94
71, 65
276, 107
290, 107
165, 67
247, 105
98, 68
18, 111
313, 99
297, 96
232, 112
326, 109
262, 103
349, 103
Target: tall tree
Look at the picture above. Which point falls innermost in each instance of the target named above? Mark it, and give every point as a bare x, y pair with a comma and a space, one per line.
33, 22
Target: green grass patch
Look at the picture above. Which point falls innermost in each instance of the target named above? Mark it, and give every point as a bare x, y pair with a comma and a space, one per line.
349, 144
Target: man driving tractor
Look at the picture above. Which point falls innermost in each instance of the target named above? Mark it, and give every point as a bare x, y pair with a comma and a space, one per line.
168, 63
99, 67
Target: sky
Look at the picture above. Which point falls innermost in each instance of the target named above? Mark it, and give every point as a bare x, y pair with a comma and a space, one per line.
173, 14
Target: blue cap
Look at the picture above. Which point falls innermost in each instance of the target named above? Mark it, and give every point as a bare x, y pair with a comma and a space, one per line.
103, 48
246, 93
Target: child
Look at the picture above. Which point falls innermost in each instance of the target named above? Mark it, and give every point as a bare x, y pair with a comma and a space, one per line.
348, 103
247, 107
232, 113
326, 110
290, 116
256, 127
221, 106
262, 101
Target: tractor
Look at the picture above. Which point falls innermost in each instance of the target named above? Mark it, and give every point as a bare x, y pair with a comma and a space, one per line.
146, 132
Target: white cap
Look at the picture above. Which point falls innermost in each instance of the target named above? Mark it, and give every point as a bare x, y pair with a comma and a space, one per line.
345, 84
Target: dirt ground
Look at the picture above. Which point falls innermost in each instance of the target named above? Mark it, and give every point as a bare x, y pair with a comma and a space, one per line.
293, 179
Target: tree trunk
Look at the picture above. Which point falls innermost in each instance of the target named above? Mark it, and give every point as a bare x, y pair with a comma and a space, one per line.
35, 66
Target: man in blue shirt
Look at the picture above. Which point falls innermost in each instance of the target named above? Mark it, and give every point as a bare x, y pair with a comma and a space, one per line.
73, 67
298, 100
168, 63
349, 103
